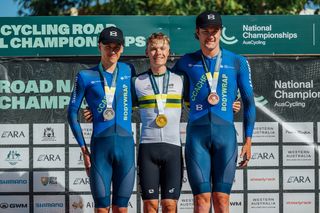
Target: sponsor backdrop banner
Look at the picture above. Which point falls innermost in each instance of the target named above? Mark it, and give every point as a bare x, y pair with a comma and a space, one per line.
41, 166
77, 36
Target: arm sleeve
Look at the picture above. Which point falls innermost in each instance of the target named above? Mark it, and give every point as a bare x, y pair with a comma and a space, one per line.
73, 109
247, 95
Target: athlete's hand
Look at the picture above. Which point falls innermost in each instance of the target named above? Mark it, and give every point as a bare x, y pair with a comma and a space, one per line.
236, 106
87, 114
245, 153
86, 159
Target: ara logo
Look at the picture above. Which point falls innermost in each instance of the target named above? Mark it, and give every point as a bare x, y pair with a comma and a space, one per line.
12, 134
13, 157
226, 39
81, 181
50, 157
260, 101
298, 179
49, 180
48, 134
262, 156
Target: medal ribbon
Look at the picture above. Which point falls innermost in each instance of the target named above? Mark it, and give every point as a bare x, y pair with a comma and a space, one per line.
109, 91
160, 98
213, 81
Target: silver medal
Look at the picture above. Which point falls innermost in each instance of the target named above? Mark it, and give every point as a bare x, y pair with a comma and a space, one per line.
108, 114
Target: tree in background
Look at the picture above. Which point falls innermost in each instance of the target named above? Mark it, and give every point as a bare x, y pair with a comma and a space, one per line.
160, 7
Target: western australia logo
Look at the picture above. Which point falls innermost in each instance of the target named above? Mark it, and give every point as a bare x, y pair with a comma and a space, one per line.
226, 39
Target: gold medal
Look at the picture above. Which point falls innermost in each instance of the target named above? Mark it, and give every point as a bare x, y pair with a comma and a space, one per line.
161, 120
213, 98
108, 114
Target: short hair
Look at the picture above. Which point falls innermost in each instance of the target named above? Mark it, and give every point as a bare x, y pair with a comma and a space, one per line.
158, 36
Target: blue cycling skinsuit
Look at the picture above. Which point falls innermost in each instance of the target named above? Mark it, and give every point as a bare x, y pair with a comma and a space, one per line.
112, 144
211, 147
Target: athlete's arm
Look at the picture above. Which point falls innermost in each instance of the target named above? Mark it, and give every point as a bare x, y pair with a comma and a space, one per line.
77, 96
249, 110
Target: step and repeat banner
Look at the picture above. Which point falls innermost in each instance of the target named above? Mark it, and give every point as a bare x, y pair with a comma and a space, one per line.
41, 166
78, 35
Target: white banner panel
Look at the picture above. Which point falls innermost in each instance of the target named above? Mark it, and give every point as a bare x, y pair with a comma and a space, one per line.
79, 181
14, 204
13, 158
51, 157
298, 155
266, 132
263, 203
298, 203
48, 134
297, 132
86, 131
81, 204
49, 181
14, 181
14, 134
185, 203
298, 179
236, 203
263, 179
49, 204
264, 156
76, 158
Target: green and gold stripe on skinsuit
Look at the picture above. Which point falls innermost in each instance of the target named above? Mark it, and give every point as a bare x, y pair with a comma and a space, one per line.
149, 101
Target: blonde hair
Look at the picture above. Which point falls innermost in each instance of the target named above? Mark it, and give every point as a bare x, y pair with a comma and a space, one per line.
158, 36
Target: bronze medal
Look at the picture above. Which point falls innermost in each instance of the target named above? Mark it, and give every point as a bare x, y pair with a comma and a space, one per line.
213, 98
108, 114
161, 120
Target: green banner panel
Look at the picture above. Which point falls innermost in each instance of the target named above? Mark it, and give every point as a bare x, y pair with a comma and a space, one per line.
77, 36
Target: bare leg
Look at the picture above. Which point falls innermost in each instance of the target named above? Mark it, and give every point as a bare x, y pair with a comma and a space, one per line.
221, 202
169, 206
102, 210
202, 203
116, 209
150, 206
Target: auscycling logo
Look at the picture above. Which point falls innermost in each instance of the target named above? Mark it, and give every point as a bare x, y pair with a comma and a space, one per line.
226, 39
261, 101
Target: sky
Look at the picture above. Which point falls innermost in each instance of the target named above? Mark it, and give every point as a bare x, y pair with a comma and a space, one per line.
8, 8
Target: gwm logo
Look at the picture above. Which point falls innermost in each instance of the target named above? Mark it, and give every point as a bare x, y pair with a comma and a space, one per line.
227, 40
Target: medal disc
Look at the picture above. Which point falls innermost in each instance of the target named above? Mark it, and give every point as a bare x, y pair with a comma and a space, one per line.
213, 98
108, 114
161, 120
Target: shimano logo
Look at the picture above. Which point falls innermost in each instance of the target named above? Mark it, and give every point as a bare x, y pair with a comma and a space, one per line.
49, 205
13, 181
